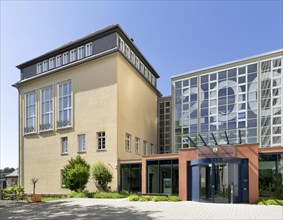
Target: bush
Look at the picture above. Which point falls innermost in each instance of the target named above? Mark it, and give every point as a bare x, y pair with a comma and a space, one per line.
77, 194
15, 189
76, 174
102, 174
134, 198
159, 198
145, 198
174, 198
108, 195
270, 201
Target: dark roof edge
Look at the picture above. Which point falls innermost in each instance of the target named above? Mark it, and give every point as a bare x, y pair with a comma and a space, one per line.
66, 46
104, 31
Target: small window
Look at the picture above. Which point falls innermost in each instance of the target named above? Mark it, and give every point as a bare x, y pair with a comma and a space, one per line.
51, 63
73, 55
88, 49
137, 146
128, 142
152, 149
144, 147
80, 52
81, 143
58, 60
63, 178
101, 140
45, 66
39, 68
65, 58
64, 145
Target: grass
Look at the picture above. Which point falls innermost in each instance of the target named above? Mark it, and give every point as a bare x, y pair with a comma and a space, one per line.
270, 201
108, 195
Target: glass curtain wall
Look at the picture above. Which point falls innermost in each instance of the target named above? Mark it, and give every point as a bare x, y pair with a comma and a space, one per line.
130, 177
271, 175
163, 176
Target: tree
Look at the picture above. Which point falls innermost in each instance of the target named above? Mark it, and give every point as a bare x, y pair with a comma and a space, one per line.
76, 174
34, 182
102, 174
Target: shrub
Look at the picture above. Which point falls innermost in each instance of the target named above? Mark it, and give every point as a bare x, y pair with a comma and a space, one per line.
102, 174
145, 198
270, 201
159, 198
76, 174
15, 189
77, 194
108, 195
174, 198
134, 198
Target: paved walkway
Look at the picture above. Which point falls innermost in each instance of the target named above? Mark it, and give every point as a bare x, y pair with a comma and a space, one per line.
123, 209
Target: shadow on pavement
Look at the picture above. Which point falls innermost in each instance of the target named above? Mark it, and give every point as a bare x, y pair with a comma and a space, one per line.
64, 210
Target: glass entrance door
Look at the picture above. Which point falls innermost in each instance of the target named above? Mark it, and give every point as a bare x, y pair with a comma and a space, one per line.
221, 187
205, 182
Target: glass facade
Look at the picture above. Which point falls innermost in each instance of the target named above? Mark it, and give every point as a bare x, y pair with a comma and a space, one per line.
271, 175
230, 100
164, 125
163, 176
130, 177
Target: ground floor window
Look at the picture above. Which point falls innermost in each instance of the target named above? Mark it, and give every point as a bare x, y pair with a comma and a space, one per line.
271, 175
163, 176
130, 177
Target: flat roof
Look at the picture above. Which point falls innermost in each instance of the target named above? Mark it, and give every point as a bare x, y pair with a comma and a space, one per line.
228, 63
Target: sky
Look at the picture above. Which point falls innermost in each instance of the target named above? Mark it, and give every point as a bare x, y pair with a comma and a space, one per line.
175, 37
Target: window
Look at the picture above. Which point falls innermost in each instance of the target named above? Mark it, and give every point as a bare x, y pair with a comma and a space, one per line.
39, 68
51, 63
137, 146
73, 55
65, 58
128, 142
58, 60
80, 52
64, 145
101, 140
46, 109
65, 104
45, 66
144, 147
152, 148
88, 49
30, 112
81, 143
63, 178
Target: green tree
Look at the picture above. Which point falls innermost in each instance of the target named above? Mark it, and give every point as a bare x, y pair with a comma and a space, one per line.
76, 174
102, 174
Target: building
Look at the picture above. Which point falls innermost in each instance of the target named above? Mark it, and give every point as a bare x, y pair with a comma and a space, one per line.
95, 97
12, 178
218, 138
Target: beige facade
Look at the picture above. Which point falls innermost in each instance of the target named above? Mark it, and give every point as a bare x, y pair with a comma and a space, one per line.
108, 95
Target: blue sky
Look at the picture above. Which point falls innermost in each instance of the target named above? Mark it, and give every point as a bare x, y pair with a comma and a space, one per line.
175, 36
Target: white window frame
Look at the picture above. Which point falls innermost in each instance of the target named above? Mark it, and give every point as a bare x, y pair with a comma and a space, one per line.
49, 113
68, 110
51, 63
137, 145
39, 68
145, 146
101, 140
30, 119
64, 145
81, 143
81, 52
88, 49
45, 66
73, 55
65, 58
151, 148
58, 60
128, 142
